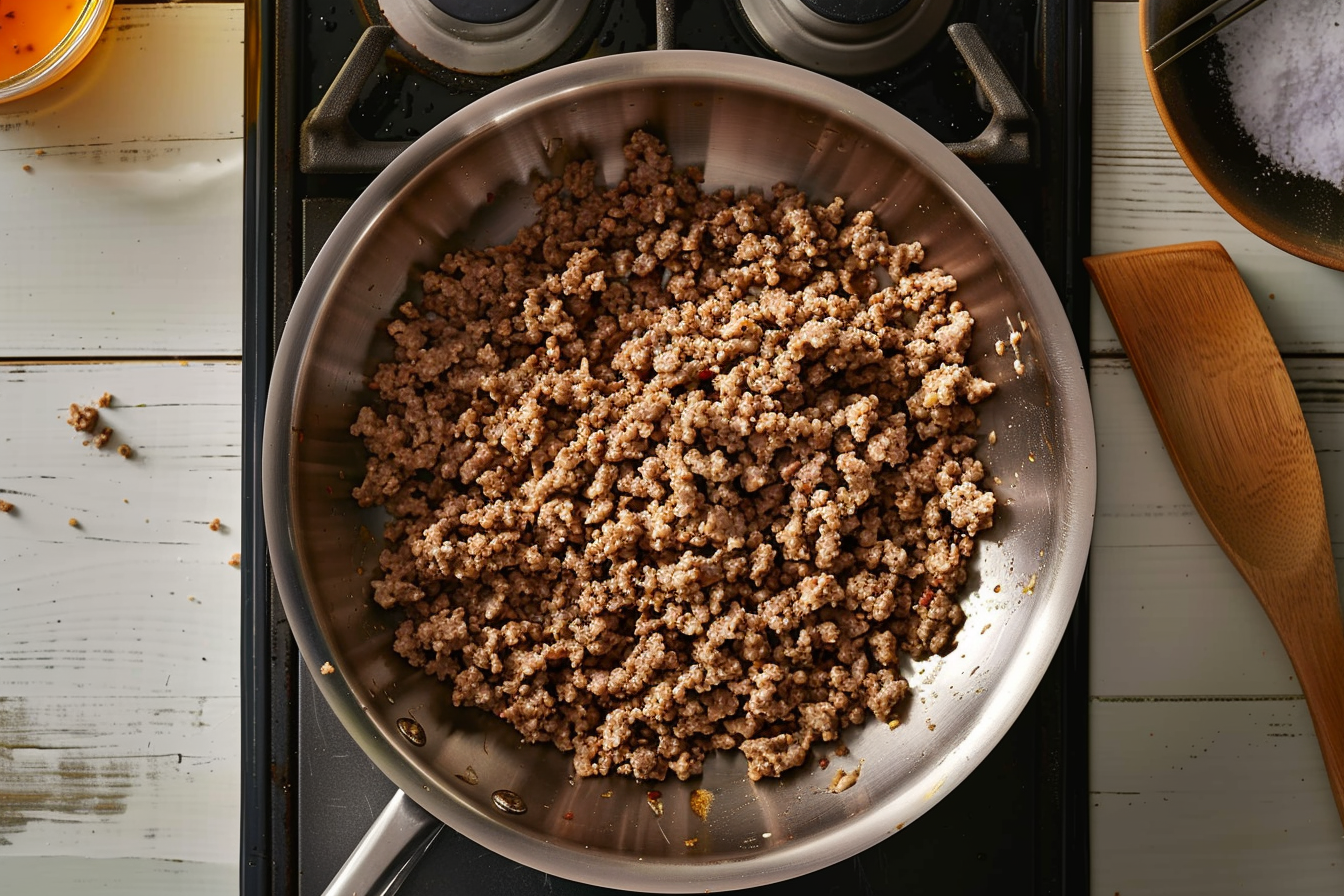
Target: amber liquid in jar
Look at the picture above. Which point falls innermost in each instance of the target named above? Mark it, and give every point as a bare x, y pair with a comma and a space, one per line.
30, 29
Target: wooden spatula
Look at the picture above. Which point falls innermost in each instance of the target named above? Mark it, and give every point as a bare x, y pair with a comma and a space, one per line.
1227, 412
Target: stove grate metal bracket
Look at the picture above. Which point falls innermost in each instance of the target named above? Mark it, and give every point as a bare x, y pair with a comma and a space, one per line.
1006, 139
329, 143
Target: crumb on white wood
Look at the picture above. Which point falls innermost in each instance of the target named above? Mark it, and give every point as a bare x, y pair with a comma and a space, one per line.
327, 668
83, 419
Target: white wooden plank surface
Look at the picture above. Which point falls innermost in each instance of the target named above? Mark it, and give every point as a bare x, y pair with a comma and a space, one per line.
125, 236
119, 722
1143, 195
1210, 797
1160, 584
143, 877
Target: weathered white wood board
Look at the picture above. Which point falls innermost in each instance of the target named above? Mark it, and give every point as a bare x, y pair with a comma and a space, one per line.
1170, 615
119, 708
114, 777
1143, 195
134, 877
1220, 796
124, 235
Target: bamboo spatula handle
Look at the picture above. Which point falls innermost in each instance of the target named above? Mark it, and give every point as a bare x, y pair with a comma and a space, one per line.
1319, 663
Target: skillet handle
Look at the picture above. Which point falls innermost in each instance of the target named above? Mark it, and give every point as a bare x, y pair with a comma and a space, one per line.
387, 852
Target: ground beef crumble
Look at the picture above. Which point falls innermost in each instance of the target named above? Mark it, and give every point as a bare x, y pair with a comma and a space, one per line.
677, 471
83, 419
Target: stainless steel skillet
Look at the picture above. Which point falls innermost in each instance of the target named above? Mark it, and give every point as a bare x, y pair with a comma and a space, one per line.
748, 123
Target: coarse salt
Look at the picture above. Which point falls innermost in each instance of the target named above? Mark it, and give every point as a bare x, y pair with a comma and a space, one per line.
1285, 69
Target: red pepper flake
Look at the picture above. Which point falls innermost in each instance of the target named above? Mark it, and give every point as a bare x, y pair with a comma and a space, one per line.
569, 816
655, 794
328, 489
489, 197
823, 763
706, 375
925, 600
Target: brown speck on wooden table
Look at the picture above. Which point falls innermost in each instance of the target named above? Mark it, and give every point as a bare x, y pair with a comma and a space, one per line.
74, 523
236, 560
214, 524
125, 451
6, 507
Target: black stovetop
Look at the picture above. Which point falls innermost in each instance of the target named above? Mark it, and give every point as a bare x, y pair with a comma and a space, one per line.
1018, 824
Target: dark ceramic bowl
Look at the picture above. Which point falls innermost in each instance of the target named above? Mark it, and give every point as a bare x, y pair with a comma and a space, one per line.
1299, 214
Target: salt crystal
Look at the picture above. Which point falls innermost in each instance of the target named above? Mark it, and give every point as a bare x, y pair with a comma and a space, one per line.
1285, 68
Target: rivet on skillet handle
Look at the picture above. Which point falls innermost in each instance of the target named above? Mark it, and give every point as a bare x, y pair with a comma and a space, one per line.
412, 730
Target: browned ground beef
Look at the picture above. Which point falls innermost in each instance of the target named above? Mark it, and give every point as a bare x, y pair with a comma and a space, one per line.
677, 471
